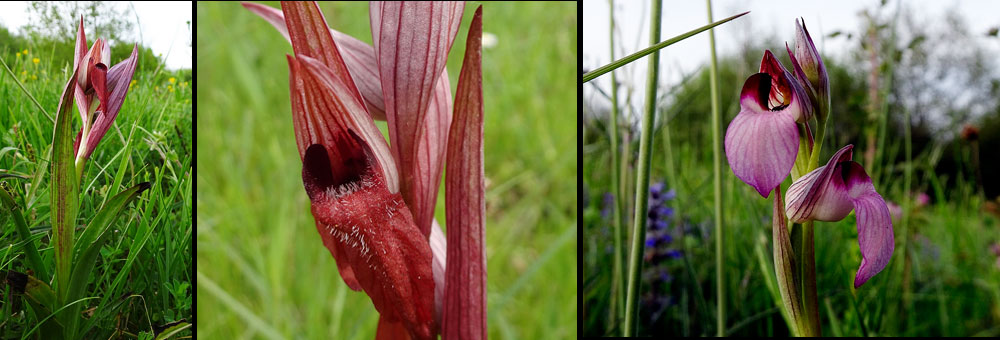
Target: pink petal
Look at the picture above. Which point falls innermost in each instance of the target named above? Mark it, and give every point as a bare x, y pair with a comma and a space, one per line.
439, 247
411, 42
464, 314
761, 145
358, 56
82, 103
820, 194
874, 224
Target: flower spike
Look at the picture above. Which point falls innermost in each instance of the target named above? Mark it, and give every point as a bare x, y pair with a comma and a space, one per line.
809, 68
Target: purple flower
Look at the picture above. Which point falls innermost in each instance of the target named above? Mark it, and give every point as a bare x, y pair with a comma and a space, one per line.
763, 140
830, 192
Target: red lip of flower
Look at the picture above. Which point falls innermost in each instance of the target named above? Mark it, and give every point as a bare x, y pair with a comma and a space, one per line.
94, 78
374, 203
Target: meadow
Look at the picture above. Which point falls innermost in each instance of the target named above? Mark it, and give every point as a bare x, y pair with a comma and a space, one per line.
943, 277
263, 271
140, 284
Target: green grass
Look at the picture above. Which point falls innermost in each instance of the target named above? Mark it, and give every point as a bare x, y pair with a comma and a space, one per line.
262, 269
143, 272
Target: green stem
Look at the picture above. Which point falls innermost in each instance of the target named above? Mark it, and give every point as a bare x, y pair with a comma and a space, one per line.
720, 277
642, 181
810, 303
651, 49
617, 293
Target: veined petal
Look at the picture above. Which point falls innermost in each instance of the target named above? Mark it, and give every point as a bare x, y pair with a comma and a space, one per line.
373, 229
761, 145
411, 41
82, 103
115, 87
874, 224
821, 194
358, 56
786, 93
322, 110
464, 315
808, 65
830, 192
310, 36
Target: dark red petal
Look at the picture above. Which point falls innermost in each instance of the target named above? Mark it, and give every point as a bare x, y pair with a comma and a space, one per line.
464, 315
311, 37
358, 56
373, 227
411, 41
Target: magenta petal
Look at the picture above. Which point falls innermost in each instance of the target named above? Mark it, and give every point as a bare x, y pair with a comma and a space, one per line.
118, 79
412, 41
820, 194
874, 224
761, 145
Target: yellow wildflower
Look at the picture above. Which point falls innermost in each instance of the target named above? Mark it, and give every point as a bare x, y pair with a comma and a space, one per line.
35, 60
18, 54
156, 88
25, 52
184, 84
33, 77
170, 88
172, 80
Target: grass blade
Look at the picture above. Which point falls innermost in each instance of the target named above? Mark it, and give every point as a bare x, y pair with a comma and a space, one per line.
717, 176
656, 47
642, 182
31, 252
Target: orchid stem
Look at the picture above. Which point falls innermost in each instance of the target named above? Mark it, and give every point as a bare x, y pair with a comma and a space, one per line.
717, 174
810, 303
642, 181
617, 291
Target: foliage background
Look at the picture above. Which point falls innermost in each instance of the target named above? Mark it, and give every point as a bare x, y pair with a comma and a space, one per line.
151, 251
262, 269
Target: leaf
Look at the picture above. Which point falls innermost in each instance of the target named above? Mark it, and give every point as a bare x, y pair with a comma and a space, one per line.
30, 250
63, 189
464, 315
173, 330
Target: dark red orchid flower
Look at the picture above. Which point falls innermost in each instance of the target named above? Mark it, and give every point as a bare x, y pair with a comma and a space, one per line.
95, 79
374, 203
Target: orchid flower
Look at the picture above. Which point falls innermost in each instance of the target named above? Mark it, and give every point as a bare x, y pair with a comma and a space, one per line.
763, 140
95, 79
830, 192
374, 203
809, 69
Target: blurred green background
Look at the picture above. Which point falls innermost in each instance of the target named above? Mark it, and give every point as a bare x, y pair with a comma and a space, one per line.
262, 269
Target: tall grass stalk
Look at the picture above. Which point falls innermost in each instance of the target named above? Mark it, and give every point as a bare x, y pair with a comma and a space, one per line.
713, 80
642, 180
617, 291
653, 49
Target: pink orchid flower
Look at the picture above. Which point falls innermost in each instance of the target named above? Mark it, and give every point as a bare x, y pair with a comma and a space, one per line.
830, 192
763, 140
94, 79
374, 203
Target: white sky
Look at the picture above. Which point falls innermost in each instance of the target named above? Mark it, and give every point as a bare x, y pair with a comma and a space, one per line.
767, 18
163, 24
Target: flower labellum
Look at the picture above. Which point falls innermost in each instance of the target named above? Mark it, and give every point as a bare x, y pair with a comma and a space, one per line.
763, 140
830, 192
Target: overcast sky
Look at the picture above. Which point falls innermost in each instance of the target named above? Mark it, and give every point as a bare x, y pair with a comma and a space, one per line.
767, 17
163, 23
